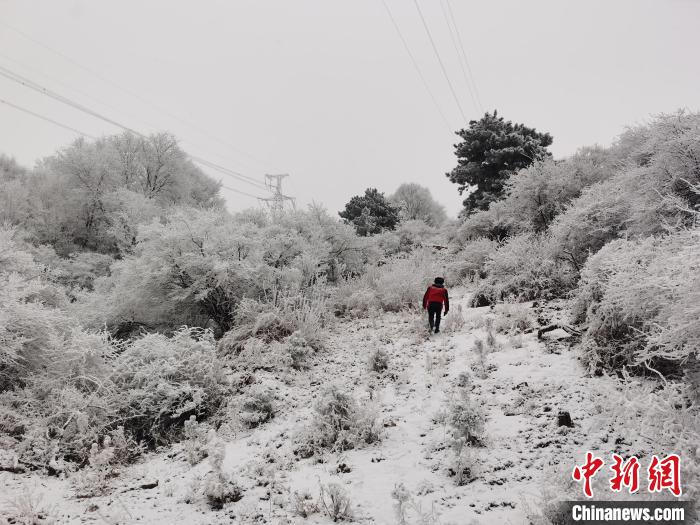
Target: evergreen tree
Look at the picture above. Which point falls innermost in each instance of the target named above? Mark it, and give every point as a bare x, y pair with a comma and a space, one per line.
370, 213
493, 149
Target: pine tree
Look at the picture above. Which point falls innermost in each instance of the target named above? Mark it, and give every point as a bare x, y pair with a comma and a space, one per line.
493, 149
370, 213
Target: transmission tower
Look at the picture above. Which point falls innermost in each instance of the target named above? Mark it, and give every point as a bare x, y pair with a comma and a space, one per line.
277, 201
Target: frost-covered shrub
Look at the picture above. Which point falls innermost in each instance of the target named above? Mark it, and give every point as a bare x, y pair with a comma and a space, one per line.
407, 510
340, 423
146, 389
336, 502
298, 350
653, 417
522, 270
470, 260
379, 360
219, 488
31, 508
455, 321
394, 286
488, 224
512, 319
304, 504
76, 272
162, 381
464, 464
356, 303
640, 301
117, 448
196, 440
466, 419
408, 236
95, 479
303, 317
257, 407
651, 193
32, 333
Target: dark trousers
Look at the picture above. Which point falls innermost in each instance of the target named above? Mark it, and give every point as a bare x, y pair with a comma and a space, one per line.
434, 315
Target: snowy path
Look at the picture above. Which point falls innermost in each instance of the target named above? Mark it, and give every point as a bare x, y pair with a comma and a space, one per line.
521, 394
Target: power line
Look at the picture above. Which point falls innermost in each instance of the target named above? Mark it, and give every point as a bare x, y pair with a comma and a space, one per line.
464, 54
47, 119
44, 91
416, 66
101, 102
65, 100
459, 55
68, 86
133, 94
239, 191
442, 65
56, 123
227, 171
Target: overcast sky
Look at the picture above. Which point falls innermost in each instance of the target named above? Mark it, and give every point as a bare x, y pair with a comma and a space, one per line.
325, 91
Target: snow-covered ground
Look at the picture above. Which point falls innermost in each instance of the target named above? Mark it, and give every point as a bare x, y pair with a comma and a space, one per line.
523, 387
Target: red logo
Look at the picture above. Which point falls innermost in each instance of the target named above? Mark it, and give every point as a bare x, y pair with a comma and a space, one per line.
665, 474
586, 472
662, 474
626, 474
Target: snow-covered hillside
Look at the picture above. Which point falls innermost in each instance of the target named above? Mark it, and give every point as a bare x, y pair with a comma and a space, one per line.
519, 382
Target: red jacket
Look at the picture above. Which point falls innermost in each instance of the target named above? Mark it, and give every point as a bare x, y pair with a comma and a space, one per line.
436, 294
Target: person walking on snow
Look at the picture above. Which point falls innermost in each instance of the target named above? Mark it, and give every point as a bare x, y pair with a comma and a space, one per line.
435, 296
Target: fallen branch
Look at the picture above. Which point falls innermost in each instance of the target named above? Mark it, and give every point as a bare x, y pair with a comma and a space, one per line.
568, 329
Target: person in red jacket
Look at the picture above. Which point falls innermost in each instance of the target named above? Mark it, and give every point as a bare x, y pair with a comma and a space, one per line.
436, 296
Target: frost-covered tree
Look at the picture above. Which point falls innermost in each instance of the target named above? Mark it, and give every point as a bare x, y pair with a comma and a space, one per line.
491, 150
93, 195
416, 203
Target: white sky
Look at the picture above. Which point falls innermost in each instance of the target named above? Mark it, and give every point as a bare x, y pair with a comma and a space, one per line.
324, 90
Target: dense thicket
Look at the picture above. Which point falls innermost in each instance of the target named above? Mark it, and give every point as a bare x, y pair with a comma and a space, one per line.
127, 291
616, 227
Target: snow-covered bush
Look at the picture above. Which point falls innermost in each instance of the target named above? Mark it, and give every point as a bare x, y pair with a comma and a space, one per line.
162, 381
512, 319
336, 502
219, 488
31, 508
257, 407
379, 360
455, 321
393, 287
470, 260
640, 302
408, 510
304, 504
653, 417
146, 390
408, 236
466, 419
521, 270
298, 350
95, 479
651, 193
340, 423
303, 317
464, 465
196, 440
